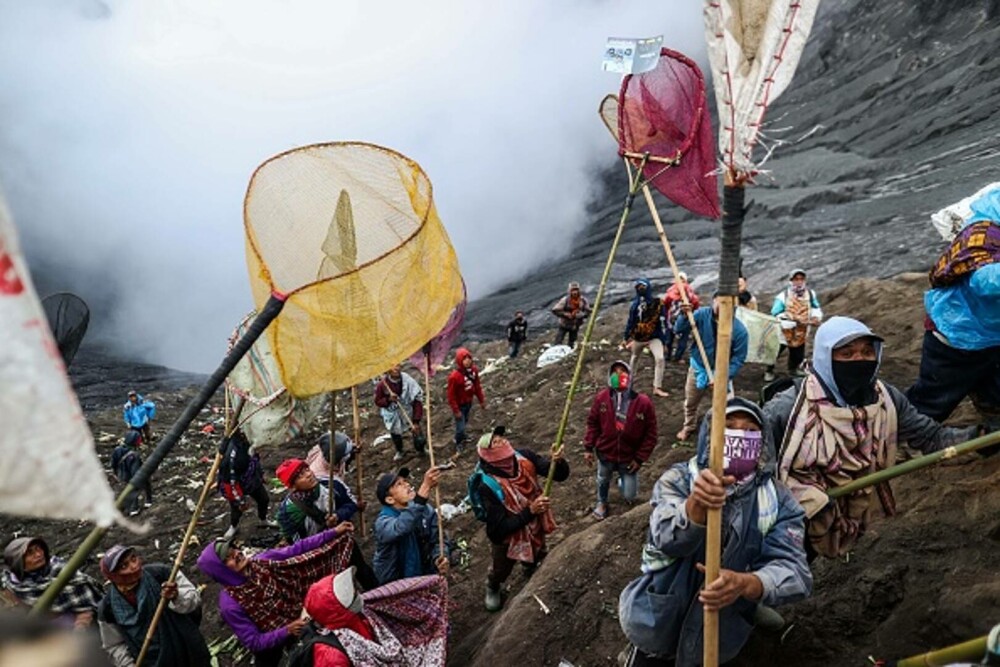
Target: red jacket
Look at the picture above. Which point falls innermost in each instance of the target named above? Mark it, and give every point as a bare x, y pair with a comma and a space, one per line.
633, 443
463, 388
323, 607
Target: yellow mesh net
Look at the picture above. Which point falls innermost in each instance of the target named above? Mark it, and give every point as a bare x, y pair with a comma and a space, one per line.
349, 234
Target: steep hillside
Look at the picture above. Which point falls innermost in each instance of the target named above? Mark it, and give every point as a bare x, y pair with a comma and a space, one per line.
925, 578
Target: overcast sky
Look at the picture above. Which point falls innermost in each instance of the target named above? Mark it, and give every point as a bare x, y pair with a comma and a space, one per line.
129, 130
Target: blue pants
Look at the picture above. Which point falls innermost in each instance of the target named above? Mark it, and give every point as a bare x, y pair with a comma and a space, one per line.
461, 422
680, 343
948, 374
513, 348
628, 482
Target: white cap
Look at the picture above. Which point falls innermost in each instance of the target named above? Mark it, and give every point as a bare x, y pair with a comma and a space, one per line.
343, 587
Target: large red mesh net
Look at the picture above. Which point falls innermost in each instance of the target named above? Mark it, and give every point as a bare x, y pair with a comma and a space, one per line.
664, 112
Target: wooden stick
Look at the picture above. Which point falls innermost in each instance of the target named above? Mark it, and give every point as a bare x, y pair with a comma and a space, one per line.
713, 537
212, 472
331, 505
430, 444
357, 457
673, 267
651, 158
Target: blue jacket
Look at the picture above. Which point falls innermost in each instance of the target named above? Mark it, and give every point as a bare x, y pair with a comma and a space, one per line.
763, 529
968, 313
640, 303
406, 543
705, 321
136, 416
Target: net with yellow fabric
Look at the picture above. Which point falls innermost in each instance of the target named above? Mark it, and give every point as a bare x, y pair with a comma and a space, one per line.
348, 234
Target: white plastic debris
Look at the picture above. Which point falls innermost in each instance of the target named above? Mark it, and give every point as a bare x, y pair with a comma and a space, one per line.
553, 355
949, 221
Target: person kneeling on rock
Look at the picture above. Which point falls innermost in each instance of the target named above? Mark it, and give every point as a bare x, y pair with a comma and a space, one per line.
763, 558
505, 494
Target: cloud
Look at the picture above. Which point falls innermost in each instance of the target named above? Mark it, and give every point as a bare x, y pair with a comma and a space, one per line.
129, 132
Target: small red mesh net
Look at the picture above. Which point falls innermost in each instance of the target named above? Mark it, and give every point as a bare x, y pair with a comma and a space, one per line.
664, 112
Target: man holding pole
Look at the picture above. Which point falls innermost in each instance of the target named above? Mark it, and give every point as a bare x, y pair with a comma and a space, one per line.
305, 509
505, 494
841, 423
125, 613
406, 532
699, 379
763, 560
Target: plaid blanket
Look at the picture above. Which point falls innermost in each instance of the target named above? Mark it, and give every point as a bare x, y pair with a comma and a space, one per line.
273, 593
827, 446
82, 593
410, 619
973, 248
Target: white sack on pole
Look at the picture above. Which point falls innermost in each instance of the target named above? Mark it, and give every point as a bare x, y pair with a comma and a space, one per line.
754, 47
50, 467
271, 416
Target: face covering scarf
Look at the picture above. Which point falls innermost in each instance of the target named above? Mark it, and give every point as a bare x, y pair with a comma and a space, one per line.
740, 453
856, 381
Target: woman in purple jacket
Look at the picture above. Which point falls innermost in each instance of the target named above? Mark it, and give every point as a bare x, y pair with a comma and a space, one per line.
262, 596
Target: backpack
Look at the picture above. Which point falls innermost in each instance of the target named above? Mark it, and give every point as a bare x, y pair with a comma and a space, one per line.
477, 477
301, 655
647, 317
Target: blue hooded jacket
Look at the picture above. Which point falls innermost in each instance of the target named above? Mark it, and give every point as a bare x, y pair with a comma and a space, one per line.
639, 302
968, 313
660, 612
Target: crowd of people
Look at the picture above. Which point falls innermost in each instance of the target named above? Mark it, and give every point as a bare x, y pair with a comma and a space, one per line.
316, 599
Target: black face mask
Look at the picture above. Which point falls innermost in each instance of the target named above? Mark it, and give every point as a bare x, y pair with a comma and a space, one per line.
856, 381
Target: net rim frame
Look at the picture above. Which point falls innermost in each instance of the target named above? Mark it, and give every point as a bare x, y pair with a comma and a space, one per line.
699, 109
251, 239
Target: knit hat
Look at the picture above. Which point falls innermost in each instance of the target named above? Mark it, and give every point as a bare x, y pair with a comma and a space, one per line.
493, 446
222, 545
288, 469
343, 446
386, 481
682, 276
573, 285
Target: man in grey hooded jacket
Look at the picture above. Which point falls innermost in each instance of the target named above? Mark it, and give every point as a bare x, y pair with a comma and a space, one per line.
763, 559
840, 423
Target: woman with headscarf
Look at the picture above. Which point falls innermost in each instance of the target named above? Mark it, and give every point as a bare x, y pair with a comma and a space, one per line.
31, 568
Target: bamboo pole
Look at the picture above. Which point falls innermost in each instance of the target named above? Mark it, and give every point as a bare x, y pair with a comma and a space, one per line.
916, 464
673, 267
635, 182
972, 650
267, 314
357, 457
729, 262
331, 505
430, 444
212, 472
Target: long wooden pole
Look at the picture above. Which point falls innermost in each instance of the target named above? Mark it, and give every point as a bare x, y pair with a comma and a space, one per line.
729, 262
635, 183
916, 464
673, 267
430, 444
231, 419
267, 314
331, 505
357, 457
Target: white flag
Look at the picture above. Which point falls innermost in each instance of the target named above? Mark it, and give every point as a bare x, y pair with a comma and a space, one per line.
50, 468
